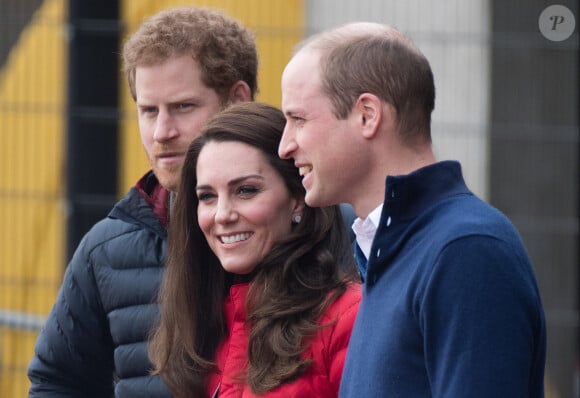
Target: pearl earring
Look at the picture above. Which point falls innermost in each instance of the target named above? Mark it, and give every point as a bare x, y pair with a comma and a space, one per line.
297, 218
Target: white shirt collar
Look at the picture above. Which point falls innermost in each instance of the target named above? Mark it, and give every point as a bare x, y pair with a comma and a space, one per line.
366, 229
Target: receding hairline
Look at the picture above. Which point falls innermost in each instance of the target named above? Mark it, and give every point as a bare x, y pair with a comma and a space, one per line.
384, 61
327, 39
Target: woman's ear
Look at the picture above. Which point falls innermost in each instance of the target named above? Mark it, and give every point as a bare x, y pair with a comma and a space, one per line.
298, 211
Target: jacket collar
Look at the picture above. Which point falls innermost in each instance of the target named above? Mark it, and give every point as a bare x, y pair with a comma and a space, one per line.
155, 195
409, 195
137, 208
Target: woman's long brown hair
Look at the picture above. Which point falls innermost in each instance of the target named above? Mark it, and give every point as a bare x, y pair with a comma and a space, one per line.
289, 290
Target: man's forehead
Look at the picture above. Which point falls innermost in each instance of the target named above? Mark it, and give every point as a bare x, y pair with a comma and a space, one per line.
305, 58
301, 76
300, 82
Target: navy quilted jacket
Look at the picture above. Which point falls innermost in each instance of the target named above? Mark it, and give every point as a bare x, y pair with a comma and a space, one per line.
94, 341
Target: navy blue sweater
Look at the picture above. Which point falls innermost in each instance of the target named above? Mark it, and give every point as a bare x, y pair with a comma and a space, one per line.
450, 306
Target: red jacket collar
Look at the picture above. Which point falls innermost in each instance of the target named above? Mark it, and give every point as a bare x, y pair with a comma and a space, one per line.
155, 195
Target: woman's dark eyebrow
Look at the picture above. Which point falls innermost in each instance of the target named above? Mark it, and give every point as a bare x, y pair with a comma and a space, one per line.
235, 181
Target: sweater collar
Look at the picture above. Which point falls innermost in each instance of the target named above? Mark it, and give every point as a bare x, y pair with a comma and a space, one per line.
409, 195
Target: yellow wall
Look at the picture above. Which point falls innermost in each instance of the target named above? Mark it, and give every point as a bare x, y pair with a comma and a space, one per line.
32, 89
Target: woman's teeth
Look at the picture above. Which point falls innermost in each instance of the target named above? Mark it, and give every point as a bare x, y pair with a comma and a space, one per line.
235, 238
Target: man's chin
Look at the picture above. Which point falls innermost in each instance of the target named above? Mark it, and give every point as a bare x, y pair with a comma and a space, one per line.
168, 182
314, 200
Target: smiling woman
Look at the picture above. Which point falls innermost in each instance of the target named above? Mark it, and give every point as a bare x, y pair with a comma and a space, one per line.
259, 295
245, 208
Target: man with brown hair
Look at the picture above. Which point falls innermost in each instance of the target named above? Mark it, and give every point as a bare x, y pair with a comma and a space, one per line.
183, 66
450, 306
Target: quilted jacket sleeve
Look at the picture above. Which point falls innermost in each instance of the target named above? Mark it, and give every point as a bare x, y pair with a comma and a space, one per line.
74, 352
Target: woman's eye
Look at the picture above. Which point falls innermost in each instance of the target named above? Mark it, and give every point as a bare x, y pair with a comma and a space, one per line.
247, 190
204, 196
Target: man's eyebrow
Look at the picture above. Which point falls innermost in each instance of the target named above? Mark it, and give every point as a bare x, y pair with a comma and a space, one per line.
293, 112
173, 102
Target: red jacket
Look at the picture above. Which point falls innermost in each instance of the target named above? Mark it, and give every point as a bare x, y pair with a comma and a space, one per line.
328, 350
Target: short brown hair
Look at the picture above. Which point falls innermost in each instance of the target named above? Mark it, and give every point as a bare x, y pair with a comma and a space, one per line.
224, 49
377, 59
